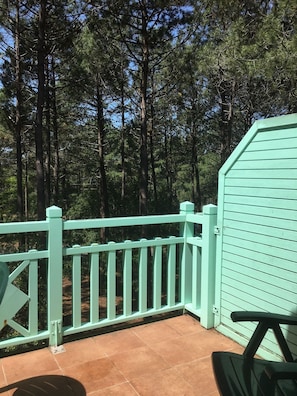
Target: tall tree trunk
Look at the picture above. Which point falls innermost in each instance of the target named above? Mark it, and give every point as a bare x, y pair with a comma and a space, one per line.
226, 93
26, 187
168, 167
40, 183
225, 128
123, 152
196, 191
47, 154
103, 193
18, 112
151, 140
143, 183
41, 55
56, 156
153, 169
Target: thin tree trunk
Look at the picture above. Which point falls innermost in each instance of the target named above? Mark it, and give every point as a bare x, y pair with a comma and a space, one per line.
226, 129
26, 189
196, 191
226, 92
154, 177
18, 112
168, 167
152, 154
56, 159
47, 156
143, 184
39, 112
40, 182
123, 153
103, 193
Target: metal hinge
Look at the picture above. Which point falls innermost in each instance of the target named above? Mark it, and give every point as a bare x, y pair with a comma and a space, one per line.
217, 230
215, 310
55, 333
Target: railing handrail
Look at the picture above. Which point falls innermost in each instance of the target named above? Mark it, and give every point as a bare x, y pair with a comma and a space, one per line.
17, 227
112, 222
196, 260
122, 221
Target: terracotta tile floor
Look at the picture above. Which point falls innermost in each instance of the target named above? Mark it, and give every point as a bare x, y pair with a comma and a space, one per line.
166, 357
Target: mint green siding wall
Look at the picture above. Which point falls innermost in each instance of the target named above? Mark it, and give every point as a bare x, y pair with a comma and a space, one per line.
257, 218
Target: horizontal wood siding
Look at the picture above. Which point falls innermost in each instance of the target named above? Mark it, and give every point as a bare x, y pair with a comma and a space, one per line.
259, 231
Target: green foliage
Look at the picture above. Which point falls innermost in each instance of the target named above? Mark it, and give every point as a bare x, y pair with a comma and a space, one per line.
8, 208
213, 68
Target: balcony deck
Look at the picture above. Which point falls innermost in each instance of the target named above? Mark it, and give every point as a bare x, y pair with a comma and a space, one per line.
165, 357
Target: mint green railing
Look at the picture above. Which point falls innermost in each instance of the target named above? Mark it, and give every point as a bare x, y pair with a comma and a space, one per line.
110, 283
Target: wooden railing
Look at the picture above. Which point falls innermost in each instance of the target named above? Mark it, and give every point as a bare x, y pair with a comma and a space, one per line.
92, 285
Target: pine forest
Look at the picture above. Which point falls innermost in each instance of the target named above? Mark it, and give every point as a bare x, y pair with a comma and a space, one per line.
119, 108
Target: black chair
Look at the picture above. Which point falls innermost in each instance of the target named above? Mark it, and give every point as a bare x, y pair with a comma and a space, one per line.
4, 274
246, 375
53, 385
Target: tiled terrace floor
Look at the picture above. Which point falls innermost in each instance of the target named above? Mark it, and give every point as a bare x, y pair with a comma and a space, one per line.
167, 357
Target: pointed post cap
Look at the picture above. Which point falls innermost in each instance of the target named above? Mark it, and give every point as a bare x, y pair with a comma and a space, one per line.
186, 207
53, 211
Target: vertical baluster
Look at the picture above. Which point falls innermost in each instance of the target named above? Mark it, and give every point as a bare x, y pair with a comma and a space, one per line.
111, 284
33, 296
186, 258
171, 274
143, 278
127, 294
196, 280
76, 288
94, 286
157, 276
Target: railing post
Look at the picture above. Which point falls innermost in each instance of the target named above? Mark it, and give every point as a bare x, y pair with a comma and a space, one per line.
186, 259
208, 264
55, 274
